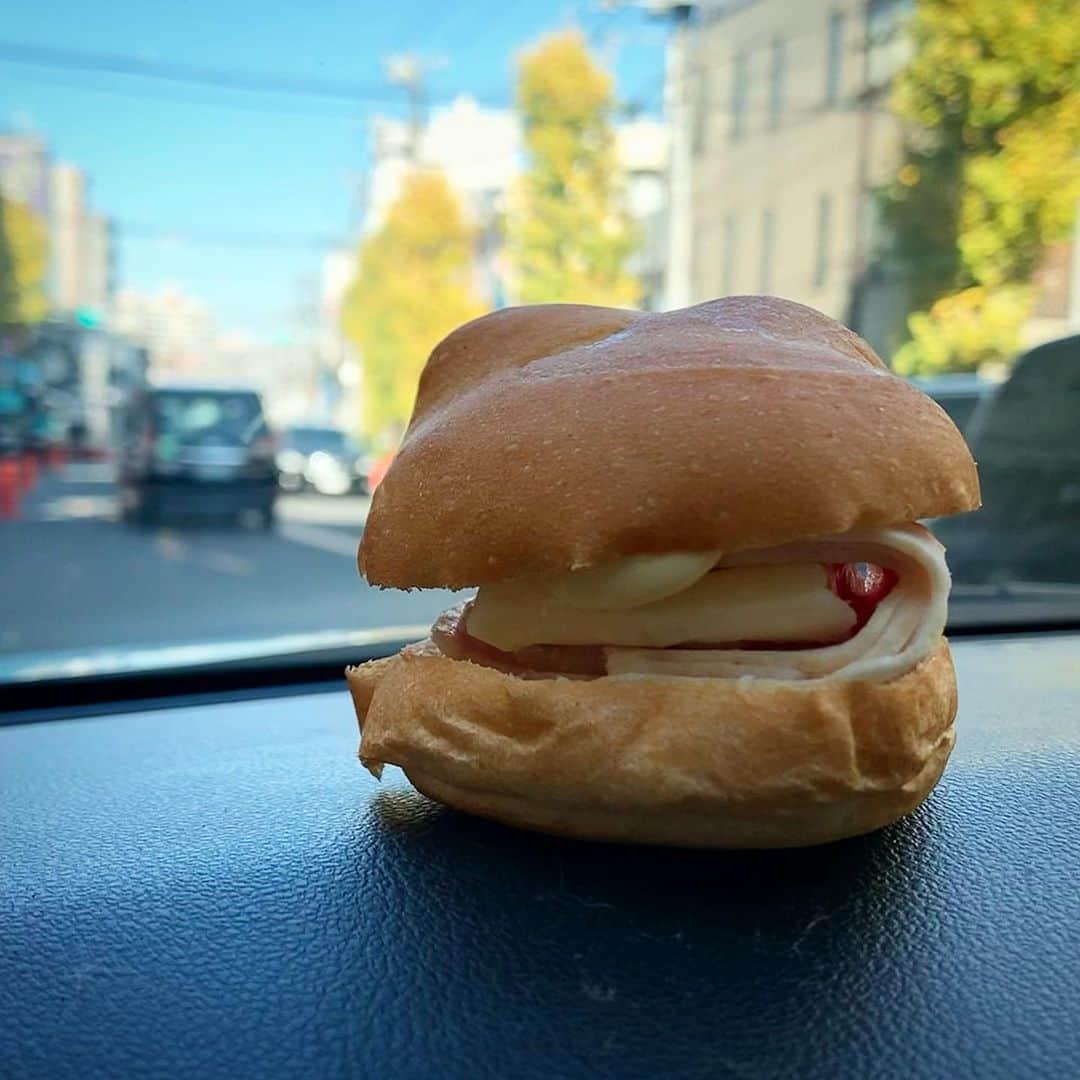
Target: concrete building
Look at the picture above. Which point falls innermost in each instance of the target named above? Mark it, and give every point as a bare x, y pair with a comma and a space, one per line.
642, 147
81, 244
177, 330
185, 344
98, 274
481, 152
340, 397
81, 248
791, 133
24, 170
67, 231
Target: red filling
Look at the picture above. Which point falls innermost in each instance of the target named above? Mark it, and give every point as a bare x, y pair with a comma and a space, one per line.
455, 641
862, 586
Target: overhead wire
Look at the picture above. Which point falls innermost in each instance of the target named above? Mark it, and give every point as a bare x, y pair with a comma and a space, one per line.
129, 66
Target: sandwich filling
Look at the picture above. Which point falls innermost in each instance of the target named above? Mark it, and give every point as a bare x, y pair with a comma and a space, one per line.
863, 605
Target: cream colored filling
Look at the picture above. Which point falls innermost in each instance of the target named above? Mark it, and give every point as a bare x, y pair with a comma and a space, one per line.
776, 594
764, 603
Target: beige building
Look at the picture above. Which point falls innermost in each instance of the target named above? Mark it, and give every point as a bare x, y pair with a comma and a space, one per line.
177, 330
790, 135
97, 262
80, 242
24, 170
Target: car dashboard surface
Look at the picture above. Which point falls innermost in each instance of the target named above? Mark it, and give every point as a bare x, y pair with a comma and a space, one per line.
221, 890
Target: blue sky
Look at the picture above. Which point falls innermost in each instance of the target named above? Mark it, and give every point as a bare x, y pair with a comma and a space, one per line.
186, 161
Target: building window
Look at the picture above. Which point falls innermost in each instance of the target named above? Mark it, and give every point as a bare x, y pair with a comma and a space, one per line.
701, 111
821, 248
776, 82
738, 96
834, 60
768, 229
888, 46
729, 254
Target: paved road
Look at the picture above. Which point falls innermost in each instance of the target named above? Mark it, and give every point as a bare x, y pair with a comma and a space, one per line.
74, 577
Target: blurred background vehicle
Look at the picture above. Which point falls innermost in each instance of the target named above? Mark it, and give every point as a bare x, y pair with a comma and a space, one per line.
1026, 438
200, 451
323, 459
958, 394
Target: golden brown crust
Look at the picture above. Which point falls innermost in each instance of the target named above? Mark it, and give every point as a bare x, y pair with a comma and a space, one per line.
694, 762
564, 435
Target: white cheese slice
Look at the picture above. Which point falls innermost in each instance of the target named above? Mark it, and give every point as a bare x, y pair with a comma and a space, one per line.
783, 602
633, 581
900, 633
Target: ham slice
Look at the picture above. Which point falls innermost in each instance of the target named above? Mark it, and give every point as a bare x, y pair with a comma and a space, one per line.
899, 632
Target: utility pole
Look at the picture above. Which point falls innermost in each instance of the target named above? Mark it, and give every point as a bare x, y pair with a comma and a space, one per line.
679, 109
408, 70
856, 312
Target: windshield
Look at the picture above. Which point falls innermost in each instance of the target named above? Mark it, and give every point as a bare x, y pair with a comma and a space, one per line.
198, 415
226, 255
312, 440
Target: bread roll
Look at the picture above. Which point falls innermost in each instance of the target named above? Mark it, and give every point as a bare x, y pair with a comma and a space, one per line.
560, 436
690, 762
554, 438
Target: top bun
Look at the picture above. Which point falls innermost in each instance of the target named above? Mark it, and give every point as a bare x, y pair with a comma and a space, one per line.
559, 436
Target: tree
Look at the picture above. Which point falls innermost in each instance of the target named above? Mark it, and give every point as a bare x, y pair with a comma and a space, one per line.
991, 174
24, 264
964, 330
568, 236
412, 287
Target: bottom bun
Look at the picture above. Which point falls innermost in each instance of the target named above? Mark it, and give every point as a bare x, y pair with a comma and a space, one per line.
734, 763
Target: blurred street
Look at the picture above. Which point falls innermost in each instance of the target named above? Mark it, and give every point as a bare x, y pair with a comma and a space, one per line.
76, 579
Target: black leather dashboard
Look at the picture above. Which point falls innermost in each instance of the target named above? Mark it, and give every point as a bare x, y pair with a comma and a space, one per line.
221, 890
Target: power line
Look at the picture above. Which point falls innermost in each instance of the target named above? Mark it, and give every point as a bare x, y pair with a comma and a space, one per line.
103, 63
211, 235
232, 238
324, 110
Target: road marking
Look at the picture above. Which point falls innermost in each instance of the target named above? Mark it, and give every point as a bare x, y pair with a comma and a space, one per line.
77, 507
225, 562
170, 546
337, 543
349, 511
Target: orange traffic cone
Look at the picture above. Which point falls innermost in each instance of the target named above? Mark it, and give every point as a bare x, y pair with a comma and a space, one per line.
9, 489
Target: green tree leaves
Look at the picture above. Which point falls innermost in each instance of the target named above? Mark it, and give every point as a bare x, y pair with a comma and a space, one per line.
568, 235
24, 265
991, 101
412, 287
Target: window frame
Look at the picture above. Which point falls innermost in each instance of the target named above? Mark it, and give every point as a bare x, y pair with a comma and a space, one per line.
740, 82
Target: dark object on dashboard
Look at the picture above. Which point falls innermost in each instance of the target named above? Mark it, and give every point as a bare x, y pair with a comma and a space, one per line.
213, 891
